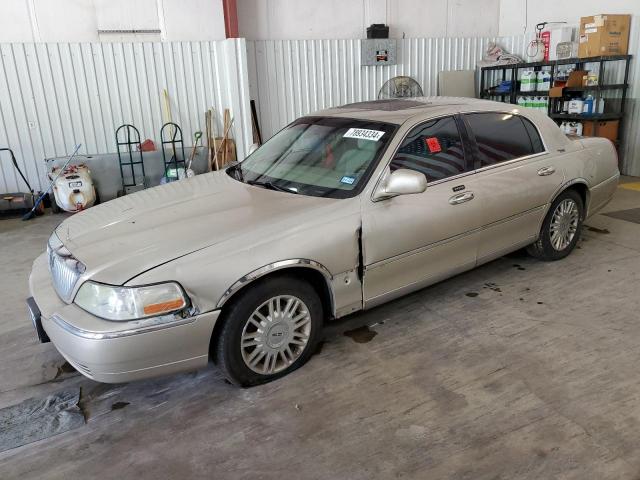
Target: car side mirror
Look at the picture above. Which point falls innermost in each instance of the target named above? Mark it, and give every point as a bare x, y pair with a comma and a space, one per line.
401, 182
253, 148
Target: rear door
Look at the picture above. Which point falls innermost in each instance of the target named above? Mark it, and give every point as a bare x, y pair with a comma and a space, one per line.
515, 180
411, 241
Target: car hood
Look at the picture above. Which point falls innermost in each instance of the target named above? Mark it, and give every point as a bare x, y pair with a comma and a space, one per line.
120, 239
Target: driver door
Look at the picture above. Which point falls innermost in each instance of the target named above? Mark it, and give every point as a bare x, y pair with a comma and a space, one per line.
411, 241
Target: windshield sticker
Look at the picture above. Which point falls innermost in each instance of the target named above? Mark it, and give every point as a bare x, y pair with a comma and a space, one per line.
364, 134
433, 144
348, 180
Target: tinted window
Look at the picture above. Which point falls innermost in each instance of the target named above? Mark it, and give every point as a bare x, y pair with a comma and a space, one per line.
433, 148
536, 141
501, 137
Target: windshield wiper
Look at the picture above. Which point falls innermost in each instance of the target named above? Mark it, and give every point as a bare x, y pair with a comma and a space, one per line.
270, 186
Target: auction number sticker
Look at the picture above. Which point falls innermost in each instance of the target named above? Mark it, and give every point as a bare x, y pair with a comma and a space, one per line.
364, 134
348, 180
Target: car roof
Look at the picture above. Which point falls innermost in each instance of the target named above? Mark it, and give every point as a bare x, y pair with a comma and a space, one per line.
399, 110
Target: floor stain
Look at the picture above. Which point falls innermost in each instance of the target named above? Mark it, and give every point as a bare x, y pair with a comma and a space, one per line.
119, 405
361, 334
493, 286
598, 230
471, 294
519, 267
540, 303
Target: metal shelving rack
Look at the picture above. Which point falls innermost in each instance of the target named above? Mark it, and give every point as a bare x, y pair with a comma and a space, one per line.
510, 72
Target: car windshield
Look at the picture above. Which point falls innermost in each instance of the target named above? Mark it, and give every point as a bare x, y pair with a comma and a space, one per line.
318, 156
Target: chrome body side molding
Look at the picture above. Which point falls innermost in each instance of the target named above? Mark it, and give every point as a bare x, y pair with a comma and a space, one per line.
275, 266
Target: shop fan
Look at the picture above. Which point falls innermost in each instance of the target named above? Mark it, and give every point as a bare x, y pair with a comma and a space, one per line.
400, 87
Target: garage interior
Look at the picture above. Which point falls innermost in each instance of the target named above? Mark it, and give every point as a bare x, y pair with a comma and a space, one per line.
519, 369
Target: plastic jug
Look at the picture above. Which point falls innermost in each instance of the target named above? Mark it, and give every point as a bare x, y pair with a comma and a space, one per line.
528, 81
543, 81
588, 105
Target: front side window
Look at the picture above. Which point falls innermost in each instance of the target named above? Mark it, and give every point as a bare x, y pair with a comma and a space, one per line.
433, 148
502, 136
318, 156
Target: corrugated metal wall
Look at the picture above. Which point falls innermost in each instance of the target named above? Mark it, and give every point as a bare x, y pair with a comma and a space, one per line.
630, 147
290, 78
53, 96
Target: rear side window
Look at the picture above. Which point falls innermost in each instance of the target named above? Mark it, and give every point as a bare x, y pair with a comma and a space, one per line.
433, 148
501, 137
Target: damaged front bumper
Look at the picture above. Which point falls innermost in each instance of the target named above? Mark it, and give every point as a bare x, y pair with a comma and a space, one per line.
114, 352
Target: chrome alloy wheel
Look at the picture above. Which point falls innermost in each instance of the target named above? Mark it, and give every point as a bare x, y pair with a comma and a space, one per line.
564, 224
276, 334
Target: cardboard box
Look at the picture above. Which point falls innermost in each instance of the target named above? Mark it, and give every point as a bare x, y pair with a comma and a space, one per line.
604, 35
574, 80
551, 37
608, 129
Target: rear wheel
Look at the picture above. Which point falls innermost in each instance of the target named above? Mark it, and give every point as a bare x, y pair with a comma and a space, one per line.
269, 331
561, 228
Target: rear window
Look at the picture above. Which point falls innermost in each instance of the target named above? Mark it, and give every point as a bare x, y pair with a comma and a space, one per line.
502, 137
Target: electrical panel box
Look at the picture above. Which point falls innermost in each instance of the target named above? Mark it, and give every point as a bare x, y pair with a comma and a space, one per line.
378, 51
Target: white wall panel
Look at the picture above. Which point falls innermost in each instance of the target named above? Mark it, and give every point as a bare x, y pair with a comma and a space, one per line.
291, 78
326, 19
53, 96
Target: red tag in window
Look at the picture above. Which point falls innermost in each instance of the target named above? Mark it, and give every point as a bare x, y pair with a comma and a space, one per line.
433, 144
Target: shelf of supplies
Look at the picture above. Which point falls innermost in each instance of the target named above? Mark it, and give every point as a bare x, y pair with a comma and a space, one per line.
521, 93
587, 118
490, 93
564, 61
590, 88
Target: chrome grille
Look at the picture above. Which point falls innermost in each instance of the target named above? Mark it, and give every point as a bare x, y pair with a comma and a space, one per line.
64, 268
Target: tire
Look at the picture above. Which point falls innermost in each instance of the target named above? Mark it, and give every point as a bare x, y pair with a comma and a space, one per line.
254, 363
566, 214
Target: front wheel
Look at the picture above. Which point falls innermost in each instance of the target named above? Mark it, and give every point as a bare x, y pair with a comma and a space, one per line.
269, 331
561, 228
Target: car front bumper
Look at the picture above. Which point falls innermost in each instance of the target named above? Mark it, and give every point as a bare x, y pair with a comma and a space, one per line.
114, 352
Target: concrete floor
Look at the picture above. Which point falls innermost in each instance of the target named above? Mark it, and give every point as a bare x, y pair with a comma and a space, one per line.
516, 370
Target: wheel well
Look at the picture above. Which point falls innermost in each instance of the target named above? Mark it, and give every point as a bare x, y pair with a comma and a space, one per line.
583, 191
313, 277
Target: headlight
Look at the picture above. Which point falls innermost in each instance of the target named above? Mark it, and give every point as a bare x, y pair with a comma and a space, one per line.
130, 303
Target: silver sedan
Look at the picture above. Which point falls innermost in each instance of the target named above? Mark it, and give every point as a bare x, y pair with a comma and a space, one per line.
339, 212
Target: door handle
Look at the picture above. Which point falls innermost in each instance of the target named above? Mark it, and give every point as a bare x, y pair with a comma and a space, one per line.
544, 171
461, 198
